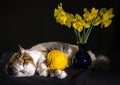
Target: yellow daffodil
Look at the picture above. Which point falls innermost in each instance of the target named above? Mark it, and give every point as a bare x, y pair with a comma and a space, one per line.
59, 11
106, 23
78, 23
62, 17
102, 11
88, 16
78, 26
70, 18
81, 21
91, 17
97, 21
106, 17
94, 13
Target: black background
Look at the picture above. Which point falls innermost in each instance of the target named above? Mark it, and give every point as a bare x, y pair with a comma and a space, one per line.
31, 22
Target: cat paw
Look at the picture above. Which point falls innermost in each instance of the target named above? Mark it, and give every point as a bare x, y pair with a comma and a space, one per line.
20, 74
60, 74
44, 73
42, 70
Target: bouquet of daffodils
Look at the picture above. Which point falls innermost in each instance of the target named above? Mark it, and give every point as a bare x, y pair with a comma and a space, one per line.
84, 24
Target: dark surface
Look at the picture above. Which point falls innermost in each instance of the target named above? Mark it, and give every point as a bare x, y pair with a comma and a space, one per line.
75, 77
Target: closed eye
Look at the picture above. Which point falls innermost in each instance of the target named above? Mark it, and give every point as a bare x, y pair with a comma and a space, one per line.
22, 71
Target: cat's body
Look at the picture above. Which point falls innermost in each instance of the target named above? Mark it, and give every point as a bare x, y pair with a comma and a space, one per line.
68, 49
27, 62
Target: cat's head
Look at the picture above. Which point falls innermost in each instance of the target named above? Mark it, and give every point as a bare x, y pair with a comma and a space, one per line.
21, 64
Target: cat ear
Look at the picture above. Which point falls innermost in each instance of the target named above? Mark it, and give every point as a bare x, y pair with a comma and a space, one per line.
21, 49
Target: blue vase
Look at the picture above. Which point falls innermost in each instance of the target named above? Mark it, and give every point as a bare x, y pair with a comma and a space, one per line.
82, 59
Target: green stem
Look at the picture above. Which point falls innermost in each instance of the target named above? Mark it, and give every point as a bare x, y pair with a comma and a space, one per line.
88, 33
76, 34
89, 30
84, 32
79, 37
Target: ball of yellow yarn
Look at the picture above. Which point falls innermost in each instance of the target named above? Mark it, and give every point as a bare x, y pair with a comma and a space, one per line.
56, 60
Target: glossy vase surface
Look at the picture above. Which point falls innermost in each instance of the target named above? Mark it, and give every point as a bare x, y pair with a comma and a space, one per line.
82, 59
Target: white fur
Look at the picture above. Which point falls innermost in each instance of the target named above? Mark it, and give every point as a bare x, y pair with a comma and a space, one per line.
18, 67
36, 55
42, 69
20, 74
69, 56
69, 52
59, 74
26, 70
93, 57
29, 70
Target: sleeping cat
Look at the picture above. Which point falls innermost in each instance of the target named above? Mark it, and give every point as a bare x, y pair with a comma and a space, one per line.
27, 62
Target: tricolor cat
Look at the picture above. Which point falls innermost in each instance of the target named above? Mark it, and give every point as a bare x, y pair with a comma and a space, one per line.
27, 62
